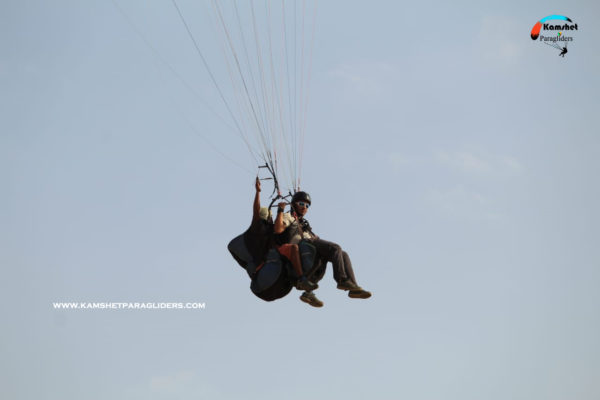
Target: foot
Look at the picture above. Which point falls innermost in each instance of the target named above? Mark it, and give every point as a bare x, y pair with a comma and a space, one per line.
359, 294
348, 285
310, 298
304, 284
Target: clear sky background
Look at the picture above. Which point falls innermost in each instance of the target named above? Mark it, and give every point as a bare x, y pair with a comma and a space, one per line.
455, 159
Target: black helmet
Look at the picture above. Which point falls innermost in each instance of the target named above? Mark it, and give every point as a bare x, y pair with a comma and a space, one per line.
301, 196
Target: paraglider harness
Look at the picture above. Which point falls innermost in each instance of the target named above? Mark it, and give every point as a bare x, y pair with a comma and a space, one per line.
272, 278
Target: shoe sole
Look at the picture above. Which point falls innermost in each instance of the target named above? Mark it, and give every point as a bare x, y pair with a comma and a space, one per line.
311, 302
359, 295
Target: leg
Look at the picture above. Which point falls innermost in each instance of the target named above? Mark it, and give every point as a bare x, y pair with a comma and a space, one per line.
318, 272
348, 267
358, 292
332, 252
315, 276
295, 259
292, 253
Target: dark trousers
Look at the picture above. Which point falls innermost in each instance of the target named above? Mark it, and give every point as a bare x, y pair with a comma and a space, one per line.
333, 253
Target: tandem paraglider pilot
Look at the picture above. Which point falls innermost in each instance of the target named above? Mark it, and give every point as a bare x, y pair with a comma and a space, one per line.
273, 267
259, 239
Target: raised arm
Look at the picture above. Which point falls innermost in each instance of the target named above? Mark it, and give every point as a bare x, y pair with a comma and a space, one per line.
256, 205
279, 224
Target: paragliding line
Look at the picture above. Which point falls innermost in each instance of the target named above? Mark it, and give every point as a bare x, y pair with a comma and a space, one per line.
210, 72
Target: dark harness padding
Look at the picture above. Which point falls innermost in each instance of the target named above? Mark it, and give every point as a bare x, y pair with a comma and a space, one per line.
239, 251
273, 280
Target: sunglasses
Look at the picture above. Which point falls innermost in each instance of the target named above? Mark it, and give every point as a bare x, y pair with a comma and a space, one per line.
303, 204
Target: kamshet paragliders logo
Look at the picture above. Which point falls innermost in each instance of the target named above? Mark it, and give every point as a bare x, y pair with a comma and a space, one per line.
554, 33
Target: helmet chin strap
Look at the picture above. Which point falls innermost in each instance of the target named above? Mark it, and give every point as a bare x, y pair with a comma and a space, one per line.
295, 213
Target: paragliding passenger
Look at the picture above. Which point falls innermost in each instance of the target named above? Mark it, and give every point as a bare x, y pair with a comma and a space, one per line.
259, 239
293, 227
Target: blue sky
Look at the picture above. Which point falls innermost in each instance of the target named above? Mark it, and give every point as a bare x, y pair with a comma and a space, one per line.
455, 159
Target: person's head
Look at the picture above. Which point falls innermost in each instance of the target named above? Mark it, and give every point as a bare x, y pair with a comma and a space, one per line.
301, 201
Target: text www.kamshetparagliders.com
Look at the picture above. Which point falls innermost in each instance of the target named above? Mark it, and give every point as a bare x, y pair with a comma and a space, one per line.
128, 306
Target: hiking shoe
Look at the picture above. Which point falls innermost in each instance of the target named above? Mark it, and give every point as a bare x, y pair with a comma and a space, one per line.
310, 298
359, 294
348, 285
304, 284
